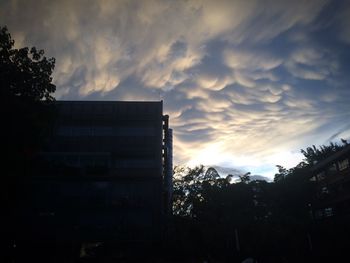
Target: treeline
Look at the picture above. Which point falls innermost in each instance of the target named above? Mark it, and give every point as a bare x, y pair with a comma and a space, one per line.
271, 222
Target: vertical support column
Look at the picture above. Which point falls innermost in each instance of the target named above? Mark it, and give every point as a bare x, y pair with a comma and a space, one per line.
168, 180
167, 165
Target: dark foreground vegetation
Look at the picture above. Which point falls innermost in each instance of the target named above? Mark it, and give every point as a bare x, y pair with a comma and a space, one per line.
270, 222
214, 219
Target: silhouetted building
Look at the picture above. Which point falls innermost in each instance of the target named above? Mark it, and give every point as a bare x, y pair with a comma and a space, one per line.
332, 177
106, 174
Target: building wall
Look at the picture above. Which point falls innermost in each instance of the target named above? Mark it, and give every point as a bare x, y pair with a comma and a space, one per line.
121, 138
332, 176
102, 175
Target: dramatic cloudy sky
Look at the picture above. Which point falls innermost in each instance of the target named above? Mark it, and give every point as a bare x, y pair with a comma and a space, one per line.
247, 84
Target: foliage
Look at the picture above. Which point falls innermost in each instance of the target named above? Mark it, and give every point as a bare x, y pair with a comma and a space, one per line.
313, 154
217, 209
24, 73
188, 186
282, 173
215, 206
245, 178
26, 108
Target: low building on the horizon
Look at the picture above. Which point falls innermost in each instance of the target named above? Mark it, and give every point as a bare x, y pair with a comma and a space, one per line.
105, 173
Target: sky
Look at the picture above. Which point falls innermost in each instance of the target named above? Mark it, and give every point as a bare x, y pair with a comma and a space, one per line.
247, 84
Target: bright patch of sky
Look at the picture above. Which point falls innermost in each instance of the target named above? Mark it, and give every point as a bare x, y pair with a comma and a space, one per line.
247, 84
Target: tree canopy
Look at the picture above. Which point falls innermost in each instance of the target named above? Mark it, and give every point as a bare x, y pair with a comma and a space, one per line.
315, 154
26, 93
214, 210
24, 73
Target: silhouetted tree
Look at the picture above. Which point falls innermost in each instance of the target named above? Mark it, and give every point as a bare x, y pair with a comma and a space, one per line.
26, 111
216, 209
245, 178
313, 154
25, 73
187, 186
26, 104
214, 206
282, 174
26, 88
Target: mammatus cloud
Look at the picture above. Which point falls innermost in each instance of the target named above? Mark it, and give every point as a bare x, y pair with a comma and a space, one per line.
246, 83
310, 63
344, 24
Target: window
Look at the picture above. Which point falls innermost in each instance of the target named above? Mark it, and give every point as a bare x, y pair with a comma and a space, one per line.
74, 131
137, 131
135, 163
64, 131
79, 159
332, 169
328, 212
324, 190
134, 131
343, 164
101, 131
325, 212
321, 176
313, 179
